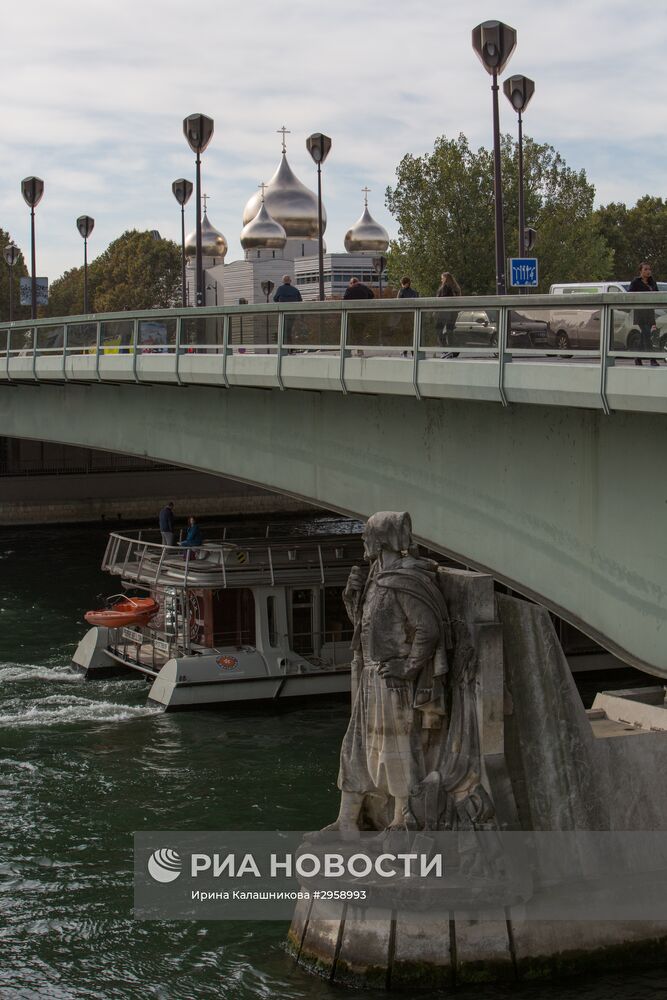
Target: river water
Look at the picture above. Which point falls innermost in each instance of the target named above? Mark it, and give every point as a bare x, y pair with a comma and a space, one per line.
85, 765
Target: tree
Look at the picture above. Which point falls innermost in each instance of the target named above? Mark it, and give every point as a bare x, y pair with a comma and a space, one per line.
15, 273
635, 234
136, 271
443, 203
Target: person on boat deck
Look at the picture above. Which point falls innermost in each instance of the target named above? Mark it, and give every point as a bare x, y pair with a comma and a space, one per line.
194, 536
166, 522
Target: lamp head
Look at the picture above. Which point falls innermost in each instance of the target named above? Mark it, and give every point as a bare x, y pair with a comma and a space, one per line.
85, 225
32, 189
518, 90
198, 130
494, 43
318, 145
182, 190
529, 237
12, 254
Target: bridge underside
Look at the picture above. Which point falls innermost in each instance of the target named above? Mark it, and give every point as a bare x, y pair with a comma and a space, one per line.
566, 505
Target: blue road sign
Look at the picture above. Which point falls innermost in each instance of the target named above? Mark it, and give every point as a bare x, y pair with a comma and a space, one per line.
523, 272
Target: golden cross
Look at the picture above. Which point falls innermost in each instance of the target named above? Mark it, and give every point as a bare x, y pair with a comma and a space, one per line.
366, 191
263, 187
285, 131
205, 198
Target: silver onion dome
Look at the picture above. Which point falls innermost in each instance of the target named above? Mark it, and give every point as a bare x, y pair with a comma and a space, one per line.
213, 243
263, 232
288, 202
366, 235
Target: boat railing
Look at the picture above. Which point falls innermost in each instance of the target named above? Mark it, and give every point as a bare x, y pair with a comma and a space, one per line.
223, 564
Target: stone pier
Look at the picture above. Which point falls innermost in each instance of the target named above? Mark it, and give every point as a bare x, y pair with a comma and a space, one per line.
546, 764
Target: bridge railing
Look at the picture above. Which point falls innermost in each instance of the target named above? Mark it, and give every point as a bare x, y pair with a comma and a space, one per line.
210, 344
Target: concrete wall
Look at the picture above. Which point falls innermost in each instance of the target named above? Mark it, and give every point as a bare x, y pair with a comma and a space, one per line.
58, 499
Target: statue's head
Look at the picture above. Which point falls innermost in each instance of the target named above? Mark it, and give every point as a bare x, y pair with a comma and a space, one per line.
388, 529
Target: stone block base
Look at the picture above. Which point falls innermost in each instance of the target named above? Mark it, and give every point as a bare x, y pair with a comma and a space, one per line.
398, 951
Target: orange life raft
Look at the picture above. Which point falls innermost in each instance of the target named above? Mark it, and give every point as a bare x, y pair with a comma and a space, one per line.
128, 611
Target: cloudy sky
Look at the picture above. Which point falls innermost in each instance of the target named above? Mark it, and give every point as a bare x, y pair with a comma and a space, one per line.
95, 92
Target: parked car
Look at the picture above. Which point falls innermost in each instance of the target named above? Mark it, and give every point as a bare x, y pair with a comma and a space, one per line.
526, 329
578, 327
473, 328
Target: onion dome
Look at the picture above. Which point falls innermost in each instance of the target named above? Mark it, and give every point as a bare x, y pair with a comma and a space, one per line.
263, 232
288, 202
366, 235
213, 243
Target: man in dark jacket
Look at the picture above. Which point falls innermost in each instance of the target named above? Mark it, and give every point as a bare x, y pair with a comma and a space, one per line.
166, 522
644, 318
407, 291
287, 292
357, 290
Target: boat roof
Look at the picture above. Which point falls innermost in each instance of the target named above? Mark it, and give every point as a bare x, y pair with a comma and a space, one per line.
140, 559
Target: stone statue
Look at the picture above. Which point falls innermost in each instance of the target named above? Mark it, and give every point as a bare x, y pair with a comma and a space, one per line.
410, 757
400, 645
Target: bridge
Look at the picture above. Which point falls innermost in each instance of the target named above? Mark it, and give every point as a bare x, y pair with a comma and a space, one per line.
532, 449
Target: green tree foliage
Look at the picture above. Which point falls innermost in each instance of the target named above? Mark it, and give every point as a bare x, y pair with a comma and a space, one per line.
15, 273
636, 234
444, 206
136, 271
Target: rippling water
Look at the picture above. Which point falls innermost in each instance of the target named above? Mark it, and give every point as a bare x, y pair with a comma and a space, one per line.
84, 765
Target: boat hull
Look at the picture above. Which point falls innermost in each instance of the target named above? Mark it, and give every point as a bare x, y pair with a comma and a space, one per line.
172, 694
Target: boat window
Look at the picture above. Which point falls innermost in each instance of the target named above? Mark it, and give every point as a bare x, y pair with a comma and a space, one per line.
271, 620
336, 625
234, 617
302, 621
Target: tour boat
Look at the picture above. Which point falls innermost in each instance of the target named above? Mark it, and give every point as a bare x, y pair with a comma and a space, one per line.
244, 620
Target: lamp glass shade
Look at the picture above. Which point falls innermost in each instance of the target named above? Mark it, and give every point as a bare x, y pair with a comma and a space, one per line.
85, 225
518, 90
32, 189
494, 43
198, 130
12, 254
182, 190
318, 145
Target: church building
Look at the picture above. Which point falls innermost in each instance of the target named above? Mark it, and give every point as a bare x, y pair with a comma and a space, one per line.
279, 236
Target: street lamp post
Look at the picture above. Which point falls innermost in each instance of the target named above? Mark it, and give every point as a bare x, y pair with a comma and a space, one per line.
379, 264
32, 189
494, 43
318, 145
518, 90
12, 254
198, 130
182, 190
85, 225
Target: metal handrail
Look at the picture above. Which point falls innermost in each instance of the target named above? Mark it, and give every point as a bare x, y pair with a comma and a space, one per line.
601, 354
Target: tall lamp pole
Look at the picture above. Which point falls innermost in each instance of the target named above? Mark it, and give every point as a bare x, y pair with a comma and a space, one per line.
182, 190
494, 43
318, 146
12, 254
32, 189
379, 264
518, 90
85, 225
198, 130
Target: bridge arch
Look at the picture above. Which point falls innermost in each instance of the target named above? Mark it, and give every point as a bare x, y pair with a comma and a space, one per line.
564, 504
